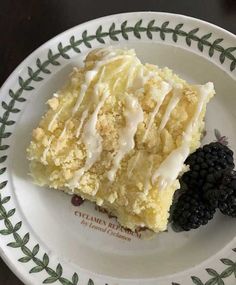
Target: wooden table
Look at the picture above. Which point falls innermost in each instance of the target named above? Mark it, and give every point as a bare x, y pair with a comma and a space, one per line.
26, 24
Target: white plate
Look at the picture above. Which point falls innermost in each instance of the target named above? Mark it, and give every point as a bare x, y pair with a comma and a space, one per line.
43, 238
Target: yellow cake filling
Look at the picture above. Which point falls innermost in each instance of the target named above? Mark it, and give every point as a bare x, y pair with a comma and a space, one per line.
118, 134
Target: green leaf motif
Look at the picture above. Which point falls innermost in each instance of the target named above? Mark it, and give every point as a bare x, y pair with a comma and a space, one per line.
11, 213
36, 269
14, 244
5, 232
65, 281
5, 200
90, 282
200, 46
188, 41
197, 280
99, 35
75, 279
17, 226
24, 259
17, 238
123, 30
38, 262
63, 50
3, 184
4, 147
233, 65
212, 272
27, 252
59, 270
5, 135
227, 261
86, 39
222, 58
51, 272
50, 280
45, 259
228, 271
35, 250
3, 158
211, 281
25, 239
8, 224
136, 29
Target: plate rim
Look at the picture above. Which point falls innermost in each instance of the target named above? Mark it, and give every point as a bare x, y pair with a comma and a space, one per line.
32, 55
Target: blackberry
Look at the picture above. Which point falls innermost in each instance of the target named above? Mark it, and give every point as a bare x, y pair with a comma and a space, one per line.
205, 162
227, 195
210, 187
191, 212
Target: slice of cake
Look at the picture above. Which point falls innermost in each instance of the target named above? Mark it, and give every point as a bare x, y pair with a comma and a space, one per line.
118, 134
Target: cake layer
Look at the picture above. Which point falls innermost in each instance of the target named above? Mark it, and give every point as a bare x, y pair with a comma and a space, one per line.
118, 134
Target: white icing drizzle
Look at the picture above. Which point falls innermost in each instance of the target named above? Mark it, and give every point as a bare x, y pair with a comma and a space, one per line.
170, 168
116, 83
85, 113
131, 73
91, 74
134, 115
160, 96
90, 137
147, 179
83, 118
203, 91
170, 107
45, 152
133, 164
121, 67
54, 118
64, 130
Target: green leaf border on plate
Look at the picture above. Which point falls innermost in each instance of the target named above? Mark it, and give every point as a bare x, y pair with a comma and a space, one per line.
41, 263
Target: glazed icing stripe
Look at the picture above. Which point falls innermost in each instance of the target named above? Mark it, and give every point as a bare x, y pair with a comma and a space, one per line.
133, 115
54, 118
91, 74
165, 89
170, 168
90, 137
45, 152
83, 118
177, 92
95, 99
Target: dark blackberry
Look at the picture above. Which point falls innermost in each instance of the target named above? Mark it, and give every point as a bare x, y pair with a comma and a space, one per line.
227, 195
191, 212
205, 162
210, 187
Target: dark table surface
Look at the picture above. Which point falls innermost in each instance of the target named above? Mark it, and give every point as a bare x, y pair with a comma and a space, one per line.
26, 24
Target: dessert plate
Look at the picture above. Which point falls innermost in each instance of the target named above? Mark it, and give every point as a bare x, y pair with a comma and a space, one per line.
44, 238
